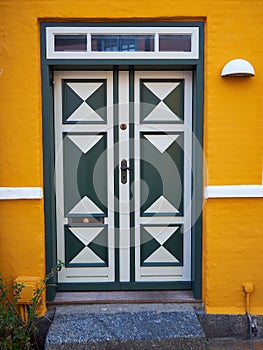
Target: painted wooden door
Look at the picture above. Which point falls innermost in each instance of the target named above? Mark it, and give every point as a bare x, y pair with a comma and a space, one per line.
123, 179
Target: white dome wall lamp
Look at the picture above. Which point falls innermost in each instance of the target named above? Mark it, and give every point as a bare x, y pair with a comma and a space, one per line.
238, 68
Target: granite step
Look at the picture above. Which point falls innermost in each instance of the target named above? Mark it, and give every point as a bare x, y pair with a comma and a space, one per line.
137, 326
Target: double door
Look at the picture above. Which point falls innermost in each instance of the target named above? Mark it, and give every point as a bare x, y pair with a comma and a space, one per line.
123, 178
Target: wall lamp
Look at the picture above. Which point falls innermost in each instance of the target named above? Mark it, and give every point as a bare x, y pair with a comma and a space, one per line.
238, 68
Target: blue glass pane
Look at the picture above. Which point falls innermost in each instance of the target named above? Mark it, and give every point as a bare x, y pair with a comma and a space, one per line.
71, 43
175, 43
122, 43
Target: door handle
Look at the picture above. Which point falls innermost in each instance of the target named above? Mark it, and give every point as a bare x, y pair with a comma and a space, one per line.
124, 169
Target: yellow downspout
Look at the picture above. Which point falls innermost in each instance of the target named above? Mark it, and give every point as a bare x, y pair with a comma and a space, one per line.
248, 289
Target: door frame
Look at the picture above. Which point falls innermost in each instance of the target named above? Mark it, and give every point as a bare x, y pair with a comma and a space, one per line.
48, 67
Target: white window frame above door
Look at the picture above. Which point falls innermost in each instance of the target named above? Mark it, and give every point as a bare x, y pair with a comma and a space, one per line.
51, 32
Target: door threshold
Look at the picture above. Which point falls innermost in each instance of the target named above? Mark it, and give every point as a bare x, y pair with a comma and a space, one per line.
123, 297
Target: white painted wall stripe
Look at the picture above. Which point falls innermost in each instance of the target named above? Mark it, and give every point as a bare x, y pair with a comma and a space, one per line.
228, 191
20, 193
233, 191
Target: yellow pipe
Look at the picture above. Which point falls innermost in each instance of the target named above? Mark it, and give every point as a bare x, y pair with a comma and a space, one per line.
248, 289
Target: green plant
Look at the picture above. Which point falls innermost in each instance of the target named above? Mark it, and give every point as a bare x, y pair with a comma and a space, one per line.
15, 333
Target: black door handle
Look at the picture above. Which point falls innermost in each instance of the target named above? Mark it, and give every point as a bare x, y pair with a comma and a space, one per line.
124, 169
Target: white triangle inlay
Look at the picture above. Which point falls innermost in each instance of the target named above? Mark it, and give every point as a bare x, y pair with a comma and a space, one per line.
86, 234
161, 113
86, 256
161, 205
84, 90
161, 142
161, 89
86, 206
85, 142
84, 113
161, 233
161, 255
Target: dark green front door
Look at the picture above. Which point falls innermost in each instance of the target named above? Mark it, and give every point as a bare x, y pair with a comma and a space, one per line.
123, 179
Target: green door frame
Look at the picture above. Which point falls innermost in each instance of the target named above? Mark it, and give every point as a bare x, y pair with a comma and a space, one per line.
49, 65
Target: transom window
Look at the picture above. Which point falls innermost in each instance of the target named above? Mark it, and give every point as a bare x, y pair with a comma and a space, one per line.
122, 42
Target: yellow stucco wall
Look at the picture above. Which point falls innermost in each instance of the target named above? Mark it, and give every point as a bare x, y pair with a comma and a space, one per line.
233, 244
233, 254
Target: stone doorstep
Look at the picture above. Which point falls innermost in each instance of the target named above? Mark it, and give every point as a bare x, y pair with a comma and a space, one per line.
145, 326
